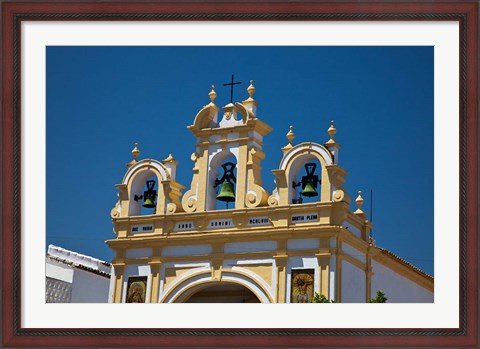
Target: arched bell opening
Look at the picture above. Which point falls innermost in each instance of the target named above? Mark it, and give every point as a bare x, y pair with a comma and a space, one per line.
305, 180
144, 194
221, 191
222, 292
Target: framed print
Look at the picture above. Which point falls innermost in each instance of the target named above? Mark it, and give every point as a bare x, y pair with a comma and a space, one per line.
46, 46
136, 289
302, 286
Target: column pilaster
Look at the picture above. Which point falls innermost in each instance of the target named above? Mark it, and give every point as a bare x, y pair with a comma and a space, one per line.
118, 286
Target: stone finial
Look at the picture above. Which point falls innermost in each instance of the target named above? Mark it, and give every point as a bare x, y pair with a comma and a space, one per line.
250, 103
135, 153
212, 94
290, 136
359, 201
170, 159
171, 165
251, 89
331, 131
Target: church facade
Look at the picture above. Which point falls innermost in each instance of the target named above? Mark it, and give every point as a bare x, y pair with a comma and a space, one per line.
226, 239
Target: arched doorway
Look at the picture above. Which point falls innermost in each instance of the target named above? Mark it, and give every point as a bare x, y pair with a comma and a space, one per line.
235, 284
222, 292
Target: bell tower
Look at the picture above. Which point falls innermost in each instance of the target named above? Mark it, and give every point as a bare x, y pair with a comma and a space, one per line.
228, 141
226, 240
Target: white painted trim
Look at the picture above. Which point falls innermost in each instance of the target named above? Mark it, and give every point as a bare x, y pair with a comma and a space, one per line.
300, 148
145, 163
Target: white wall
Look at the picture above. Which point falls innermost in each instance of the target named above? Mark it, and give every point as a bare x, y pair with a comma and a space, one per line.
303, 244
111, 285
89, 287
331, 277
353, 252
188, 250
353, 284
86, 287
59, 271
397, 289
353, 229
138, 252
237, 247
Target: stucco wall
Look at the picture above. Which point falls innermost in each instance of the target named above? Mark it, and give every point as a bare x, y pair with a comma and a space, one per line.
353, 284
397, 288
59, 271
85, 286
89, 288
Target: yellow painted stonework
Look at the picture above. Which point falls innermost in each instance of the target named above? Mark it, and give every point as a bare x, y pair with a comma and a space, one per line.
188, 246
173, 273
264, 271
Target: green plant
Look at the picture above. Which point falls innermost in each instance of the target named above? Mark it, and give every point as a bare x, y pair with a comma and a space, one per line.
380, 298
320, 298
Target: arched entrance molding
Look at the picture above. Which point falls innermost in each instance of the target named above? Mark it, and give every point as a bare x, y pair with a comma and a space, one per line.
192, 283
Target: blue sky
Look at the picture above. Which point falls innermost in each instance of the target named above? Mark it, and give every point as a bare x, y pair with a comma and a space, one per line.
101, 100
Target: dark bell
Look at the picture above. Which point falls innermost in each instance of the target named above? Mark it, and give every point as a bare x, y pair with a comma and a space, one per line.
149, 195
227, 193
149, 202
309, 190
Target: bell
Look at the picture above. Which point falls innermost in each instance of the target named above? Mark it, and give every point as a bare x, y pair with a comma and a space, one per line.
149, 202
227, 193
149, 195
309, 190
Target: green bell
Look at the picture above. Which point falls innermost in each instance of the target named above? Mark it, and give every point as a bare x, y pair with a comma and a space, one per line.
149, 195
309, 190
149, 202
227, 193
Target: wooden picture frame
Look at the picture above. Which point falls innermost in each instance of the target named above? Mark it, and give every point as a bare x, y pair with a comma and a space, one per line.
15, 12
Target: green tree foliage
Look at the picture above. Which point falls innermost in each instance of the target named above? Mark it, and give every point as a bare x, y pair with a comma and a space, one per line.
380, 298
320, 298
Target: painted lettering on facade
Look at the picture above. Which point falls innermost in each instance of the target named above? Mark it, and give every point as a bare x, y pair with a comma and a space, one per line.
138, 229
220, 223
303, 218
184, 226
256, 221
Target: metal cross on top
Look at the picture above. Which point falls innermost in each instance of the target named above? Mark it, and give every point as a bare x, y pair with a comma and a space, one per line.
231, 88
